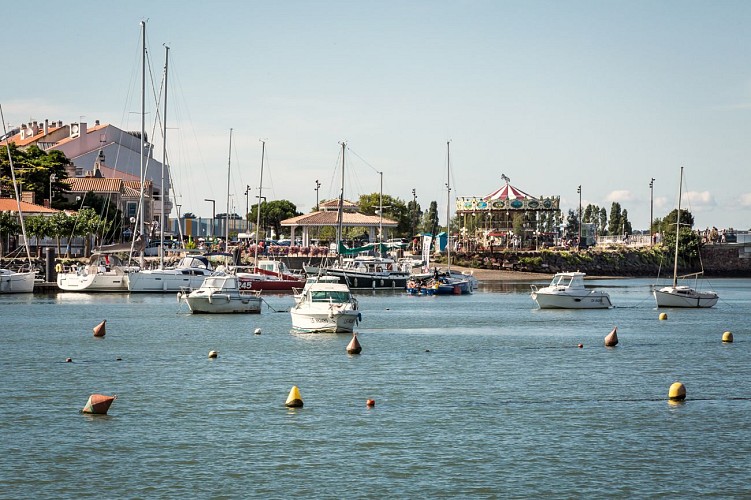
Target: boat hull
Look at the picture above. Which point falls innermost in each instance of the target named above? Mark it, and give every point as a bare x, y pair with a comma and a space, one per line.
305, 320
222, 303
685, 297
100, 282
362, 281
12, 282
589, 300
156, 281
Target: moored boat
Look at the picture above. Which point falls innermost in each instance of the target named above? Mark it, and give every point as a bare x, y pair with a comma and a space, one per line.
220, 294
188, 273
104, 273
567, 291
325, 307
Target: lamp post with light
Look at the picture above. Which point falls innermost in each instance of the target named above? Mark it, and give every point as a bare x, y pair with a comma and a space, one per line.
651, 209
213, 214
579, 190
53, 178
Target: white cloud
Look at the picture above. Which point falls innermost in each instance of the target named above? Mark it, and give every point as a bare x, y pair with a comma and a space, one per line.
745, 200
620, 196
700, 201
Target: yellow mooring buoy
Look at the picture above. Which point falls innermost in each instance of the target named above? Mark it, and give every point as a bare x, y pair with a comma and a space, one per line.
727, 337
294, 400
213, 354
677, 392
663, 316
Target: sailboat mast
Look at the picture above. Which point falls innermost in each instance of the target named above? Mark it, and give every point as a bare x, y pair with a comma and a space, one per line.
677, 231
340, 211
258, 207
448, 205
164, 161
226, 218
15, 189
143, 136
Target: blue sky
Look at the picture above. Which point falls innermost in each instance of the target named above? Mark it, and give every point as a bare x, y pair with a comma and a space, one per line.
553, 94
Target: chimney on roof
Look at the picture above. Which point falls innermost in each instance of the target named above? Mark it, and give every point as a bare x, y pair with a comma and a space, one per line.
96, 123
46, 126
59, 123
35, 127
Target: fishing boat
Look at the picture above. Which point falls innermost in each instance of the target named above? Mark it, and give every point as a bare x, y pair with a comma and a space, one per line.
567, 291
220, 294
370, 272
188, 273
18, 280
675, 295
325, 307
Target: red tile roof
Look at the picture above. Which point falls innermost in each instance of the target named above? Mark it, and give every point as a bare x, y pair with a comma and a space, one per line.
326, 218
95, 184
9, 205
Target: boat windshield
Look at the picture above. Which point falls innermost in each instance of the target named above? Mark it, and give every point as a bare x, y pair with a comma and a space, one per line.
329, 295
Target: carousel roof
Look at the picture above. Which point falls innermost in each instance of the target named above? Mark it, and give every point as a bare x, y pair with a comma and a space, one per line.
507, 192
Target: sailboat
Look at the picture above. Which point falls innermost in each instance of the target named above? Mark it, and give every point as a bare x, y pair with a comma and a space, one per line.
105, 272
190, 272
17, 281
449, 283
682, 295
268, 274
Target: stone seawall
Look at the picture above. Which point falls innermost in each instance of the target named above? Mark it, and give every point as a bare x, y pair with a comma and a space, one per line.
717, 260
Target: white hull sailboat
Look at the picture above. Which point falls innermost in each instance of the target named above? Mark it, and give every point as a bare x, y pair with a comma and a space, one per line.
17, 281
676, 295
187, 275
104, 273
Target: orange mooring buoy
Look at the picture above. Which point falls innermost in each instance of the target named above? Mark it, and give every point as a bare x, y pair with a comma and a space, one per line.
354, 346
611, 340
370, 403
101, 329
98, 404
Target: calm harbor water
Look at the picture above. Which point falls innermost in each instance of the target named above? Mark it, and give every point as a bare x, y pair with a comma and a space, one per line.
476, 396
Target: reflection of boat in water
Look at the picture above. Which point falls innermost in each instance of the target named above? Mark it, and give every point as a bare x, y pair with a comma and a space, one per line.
189, 273
220, 294
325, 307
567, 291
104, 273
270, 275
676, 295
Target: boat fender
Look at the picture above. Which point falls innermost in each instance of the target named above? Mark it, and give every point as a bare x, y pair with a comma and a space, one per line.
209, 296
58, 268
359, 317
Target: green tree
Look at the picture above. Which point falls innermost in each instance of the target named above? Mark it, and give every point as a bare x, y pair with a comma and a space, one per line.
273, 213
572, 224
111, 218
9, 226
38, 226
615, 226
603, 222
393, 208
33, 168
430, 219
689, 242
61, 225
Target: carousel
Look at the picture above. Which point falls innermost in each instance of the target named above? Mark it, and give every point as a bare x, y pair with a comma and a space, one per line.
508, 217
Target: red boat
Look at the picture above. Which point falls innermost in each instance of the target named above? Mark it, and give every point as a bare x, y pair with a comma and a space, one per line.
270, 275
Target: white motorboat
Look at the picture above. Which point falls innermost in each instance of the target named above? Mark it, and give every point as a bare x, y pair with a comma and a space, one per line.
16, 281
325, 307
188, 274
567, 291
675, 295
103, 273
220, 294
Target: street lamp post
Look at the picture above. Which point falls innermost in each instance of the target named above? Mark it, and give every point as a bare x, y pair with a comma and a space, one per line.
247, 217
318, 186
213, 215
579, 243
651, 209
53, 178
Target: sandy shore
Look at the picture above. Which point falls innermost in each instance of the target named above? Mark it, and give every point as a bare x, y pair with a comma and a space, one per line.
503, 275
